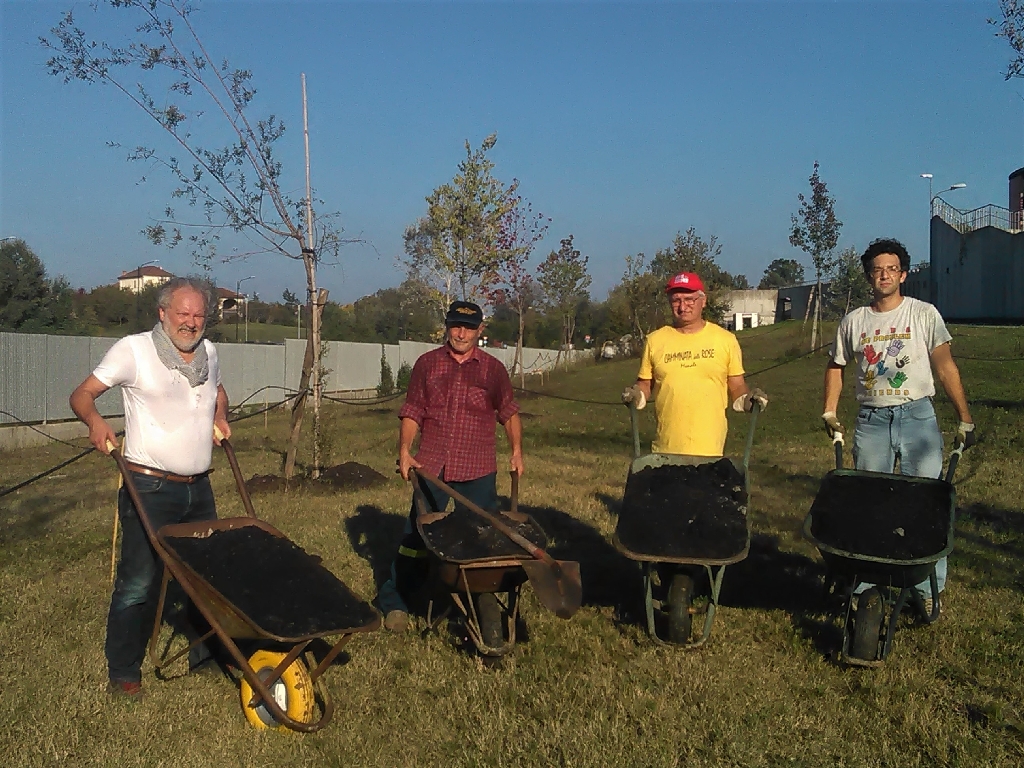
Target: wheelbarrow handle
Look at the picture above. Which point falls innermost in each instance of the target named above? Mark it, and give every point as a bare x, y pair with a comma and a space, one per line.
837, 443
954, 459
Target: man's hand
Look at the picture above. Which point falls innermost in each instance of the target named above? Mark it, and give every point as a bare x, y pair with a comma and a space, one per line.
221, 430
515, 463
832, 425
965, 434
100, 434
634, 395
745, 402
405, 463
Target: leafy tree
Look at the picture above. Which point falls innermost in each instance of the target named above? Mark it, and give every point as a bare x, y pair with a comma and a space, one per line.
1011, 28
387, 379
689, 252
29, 301
815, 230
849, 287
456, 243
782, 273
508, 281
234, 188
638, 301
564, 278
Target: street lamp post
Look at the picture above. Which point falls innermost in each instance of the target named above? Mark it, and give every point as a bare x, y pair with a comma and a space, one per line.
138, 289
938, 195
238, 288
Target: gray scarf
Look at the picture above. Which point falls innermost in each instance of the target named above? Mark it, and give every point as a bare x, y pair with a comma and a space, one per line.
197, 372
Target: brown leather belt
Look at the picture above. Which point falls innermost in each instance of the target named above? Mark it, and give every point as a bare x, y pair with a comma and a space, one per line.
166, 475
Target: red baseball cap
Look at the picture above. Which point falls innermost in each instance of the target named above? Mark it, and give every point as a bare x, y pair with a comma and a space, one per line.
684, 281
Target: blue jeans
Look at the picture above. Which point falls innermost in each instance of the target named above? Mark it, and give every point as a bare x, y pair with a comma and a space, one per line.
410, 565
910, 432
139, 571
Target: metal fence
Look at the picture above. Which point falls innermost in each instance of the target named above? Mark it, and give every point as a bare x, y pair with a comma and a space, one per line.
979, 218
39, 372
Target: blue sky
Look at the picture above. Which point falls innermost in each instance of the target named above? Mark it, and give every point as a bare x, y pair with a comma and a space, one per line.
624, 122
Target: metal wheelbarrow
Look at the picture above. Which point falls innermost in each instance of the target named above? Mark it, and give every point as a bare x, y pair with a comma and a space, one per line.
206, 559
482, 559
903, 527
674, 530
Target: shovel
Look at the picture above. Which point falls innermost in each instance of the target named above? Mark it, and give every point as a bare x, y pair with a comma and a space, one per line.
556, 582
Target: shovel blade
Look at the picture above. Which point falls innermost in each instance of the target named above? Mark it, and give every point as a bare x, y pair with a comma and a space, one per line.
557, 585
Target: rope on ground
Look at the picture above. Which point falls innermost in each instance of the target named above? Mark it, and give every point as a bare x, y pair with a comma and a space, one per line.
24, 423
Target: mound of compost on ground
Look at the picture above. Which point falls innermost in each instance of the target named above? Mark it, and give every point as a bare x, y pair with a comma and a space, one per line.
277, 584
882, 516
348, 476
685, 511
464, 536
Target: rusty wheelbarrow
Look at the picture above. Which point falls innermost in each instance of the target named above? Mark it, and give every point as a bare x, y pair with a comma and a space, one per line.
210, 559
482, 560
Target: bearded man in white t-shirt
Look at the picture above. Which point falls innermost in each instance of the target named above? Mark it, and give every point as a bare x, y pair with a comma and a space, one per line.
173, 399
894, 343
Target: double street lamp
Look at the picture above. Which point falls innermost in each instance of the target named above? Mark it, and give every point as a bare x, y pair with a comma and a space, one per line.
238, 288
931, 197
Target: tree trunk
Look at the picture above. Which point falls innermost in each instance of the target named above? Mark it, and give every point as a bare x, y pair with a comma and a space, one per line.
807, 312
299, 408
817, 315
518, 363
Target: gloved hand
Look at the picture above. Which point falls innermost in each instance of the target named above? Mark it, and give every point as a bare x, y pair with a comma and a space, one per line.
746, 402
634, 395
965, 434
832, 424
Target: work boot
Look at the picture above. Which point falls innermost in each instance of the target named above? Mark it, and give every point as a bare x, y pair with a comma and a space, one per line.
396, 621
125, 689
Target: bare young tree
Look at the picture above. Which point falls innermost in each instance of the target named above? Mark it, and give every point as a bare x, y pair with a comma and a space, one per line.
166, 70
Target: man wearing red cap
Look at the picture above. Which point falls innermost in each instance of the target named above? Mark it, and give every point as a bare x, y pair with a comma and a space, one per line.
695, 369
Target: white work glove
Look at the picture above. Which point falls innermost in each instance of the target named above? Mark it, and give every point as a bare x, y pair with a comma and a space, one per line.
634, 395
832, 425
745, 403
965, 434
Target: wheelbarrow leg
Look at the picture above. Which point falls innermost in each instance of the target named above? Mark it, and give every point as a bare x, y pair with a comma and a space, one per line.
160, 663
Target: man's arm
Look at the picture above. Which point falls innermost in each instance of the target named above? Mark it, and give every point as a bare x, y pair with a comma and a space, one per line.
83, 403
514, 431
407, 432
948, 373
737, 387
833, 386
220, 416
645, 387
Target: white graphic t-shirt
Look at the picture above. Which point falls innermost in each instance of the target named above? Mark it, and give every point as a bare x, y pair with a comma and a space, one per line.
892, 351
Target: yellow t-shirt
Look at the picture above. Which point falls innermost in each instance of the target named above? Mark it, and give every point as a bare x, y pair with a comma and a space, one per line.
689, 373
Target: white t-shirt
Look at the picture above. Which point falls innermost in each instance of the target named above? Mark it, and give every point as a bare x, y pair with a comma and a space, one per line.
892, 351
168, 424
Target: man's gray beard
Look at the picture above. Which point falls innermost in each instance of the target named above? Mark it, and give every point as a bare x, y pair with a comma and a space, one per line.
178, 345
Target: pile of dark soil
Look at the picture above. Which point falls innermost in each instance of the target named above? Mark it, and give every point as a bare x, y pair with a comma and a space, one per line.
348, 476
464, 536
274, 582
882, 516
680, 511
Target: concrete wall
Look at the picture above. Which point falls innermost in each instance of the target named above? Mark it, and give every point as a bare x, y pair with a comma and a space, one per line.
978, 276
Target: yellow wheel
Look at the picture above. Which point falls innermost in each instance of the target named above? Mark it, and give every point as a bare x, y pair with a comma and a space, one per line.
293, 692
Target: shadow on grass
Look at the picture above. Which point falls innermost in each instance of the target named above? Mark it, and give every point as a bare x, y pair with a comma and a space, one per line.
374, 535
995, 563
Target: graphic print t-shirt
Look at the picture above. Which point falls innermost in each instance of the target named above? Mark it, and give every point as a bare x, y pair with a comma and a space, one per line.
892, 351
689, 372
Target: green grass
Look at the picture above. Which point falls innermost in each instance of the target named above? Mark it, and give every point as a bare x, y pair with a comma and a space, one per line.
591, 691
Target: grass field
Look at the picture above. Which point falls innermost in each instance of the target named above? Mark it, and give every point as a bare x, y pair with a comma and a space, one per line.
591, 691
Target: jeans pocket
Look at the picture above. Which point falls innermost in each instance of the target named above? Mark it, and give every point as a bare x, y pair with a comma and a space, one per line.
921, 410
147, 483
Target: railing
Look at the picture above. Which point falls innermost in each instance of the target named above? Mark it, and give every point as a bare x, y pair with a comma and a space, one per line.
986, 216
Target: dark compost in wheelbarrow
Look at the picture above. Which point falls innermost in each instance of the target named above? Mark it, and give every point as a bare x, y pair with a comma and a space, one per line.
685, 511
463, 536
882, 516
273, 581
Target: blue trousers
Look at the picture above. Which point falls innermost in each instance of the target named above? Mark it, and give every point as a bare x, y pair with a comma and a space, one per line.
911, 433
139, 571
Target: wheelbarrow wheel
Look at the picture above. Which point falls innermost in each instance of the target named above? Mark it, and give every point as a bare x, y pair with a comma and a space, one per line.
488, 611
867, 625
293, 692
680, 599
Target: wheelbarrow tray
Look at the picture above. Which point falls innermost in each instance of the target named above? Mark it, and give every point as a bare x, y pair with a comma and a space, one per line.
463, 537
684, 529
260, 585
901, 527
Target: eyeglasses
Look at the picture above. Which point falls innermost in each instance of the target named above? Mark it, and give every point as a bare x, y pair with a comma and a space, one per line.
890, 270
688, 301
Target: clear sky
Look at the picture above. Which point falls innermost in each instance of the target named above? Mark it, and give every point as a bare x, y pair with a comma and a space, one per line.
625, 123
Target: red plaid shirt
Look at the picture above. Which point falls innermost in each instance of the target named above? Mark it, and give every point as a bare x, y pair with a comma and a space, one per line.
455, 406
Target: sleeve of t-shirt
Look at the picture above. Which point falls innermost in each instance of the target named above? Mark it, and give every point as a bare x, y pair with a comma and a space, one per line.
841, 353
211, 352
118, 365
735, 357
646, 371
939, 333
